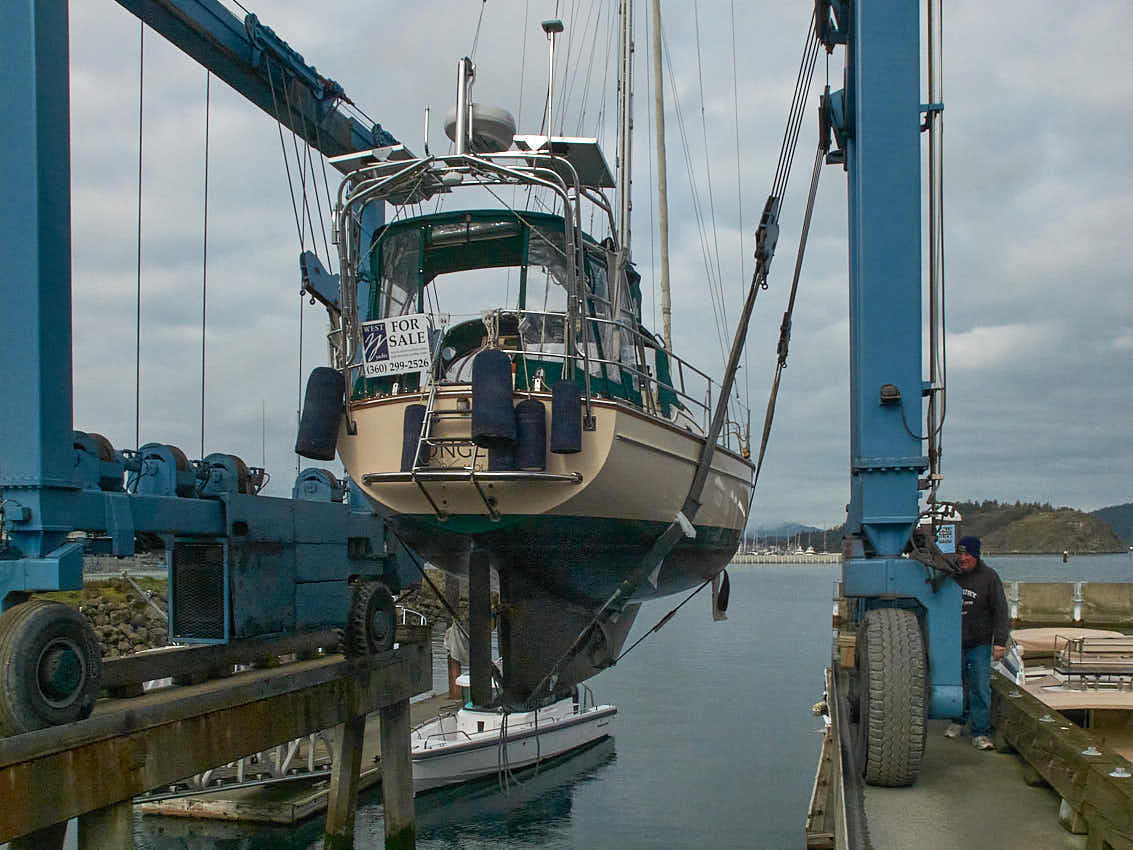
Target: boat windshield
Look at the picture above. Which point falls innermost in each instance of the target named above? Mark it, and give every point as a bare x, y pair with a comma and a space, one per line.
455, 266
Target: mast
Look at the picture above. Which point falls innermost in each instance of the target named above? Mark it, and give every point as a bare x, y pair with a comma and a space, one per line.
625, 124
662, 175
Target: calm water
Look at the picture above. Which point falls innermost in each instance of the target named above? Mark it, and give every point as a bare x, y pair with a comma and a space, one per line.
715, 744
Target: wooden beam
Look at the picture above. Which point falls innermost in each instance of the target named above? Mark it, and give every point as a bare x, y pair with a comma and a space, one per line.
1054, 746
159, 738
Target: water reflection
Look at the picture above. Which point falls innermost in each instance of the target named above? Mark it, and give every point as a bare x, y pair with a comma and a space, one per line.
536, 805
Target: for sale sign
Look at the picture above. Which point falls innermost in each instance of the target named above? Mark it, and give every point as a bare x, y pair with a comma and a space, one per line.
396, 345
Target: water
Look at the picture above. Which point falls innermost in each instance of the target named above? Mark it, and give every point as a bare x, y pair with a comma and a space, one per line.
715, 744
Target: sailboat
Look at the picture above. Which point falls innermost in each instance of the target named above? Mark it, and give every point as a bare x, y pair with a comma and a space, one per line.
505, 405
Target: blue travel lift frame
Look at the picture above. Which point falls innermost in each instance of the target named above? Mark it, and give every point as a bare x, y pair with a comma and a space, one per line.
876, 121
286, 562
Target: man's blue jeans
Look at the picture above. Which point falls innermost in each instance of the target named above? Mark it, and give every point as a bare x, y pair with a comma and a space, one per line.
976, 670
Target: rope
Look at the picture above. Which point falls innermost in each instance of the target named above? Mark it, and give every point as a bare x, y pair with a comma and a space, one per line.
205, 254
138, 308
660, 624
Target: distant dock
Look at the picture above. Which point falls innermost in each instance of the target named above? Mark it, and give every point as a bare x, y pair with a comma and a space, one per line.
789, 558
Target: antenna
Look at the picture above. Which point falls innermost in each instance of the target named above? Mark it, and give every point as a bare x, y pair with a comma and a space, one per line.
465, 76
552, 28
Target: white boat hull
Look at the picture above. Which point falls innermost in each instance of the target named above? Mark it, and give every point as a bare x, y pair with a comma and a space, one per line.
449, 750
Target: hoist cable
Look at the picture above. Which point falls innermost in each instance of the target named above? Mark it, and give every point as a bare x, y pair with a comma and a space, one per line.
283, 150
326, 185
785, 326
319, 203
205, 253
138, 305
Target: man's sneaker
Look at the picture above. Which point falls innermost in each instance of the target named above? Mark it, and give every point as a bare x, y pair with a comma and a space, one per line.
953, 730
982, 742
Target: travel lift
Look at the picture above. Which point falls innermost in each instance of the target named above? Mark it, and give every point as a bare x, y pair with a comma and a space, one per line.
240, 565
53, 482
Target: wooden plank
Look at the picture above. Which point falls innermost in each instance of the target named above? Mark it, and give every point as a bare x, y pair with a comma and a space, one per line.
205, 658
185, 660
118, 755
1053, 746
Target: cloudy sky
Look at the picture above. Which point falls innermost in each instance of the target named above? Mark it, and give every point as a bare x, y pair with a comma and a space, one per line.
1039, 198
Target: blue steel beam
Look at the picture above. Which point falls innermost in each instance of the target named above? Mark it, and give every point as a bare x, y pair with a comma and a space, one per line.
264, 69
36, 458
876, 119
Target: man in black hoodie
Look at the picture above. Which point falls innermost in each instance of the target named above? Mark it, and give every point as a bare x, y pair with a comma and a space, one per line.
984, 639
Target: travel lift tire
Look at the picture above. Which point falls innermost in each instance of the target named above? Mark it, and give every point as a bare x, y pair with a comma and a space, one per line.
50, 666
891, 696
373, 620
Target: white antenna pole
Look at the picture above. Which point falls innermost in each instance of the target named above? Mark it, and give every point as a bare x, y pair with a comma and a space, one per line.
464, 75
552, 28
662, 176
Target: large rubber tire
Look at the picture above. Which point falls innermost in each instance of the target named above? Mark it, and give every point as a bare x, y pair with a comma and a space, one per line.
891, 696
50, 666
373, 620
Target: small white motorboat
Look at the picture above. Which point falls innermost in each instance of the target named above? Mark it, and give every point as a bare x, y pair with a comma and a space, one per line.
472, 743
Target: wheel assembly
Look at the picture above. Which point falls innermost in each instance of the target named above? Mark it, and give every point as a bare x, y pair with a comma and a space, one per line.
891, 697
373, 620
50, 666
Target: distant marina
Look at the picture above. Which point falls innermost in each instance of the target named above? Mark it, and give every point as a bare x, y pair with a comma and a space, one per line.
798, 557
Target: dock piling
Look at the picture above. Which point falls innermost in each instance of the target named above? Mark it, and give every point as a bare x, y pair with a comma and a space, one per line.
342, 798
397, 778
110, 826
48, 838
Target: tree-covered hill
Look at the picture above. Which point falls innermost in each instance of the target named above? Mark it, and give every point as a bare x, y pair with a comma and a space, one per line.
1120, 519
1035, 527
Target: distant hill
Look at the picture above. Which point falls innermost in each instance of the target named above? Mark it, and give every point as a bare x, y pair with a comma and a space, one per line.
1035, 527
1120, 519
1032, 527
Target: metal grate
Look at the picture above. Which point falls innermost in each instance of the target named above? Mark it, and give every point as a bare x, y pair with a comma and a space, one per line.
198, 592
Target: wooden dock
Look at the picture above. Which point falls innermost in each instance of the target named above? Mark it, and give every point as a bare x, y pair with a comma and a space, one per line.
93, 769
1051, 782
294, 800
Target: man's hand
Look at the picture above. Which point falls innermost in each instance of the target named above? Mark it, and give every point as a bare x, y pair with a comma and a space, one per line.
997, 652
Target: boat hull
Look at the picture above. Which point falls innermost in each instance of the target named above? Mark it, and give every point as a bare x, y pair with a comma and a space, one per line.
563, 539
481, 755
581, 532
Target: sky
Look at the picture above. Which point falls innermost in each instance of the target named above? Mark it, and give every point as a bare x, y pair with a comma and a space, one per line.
1038, 202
